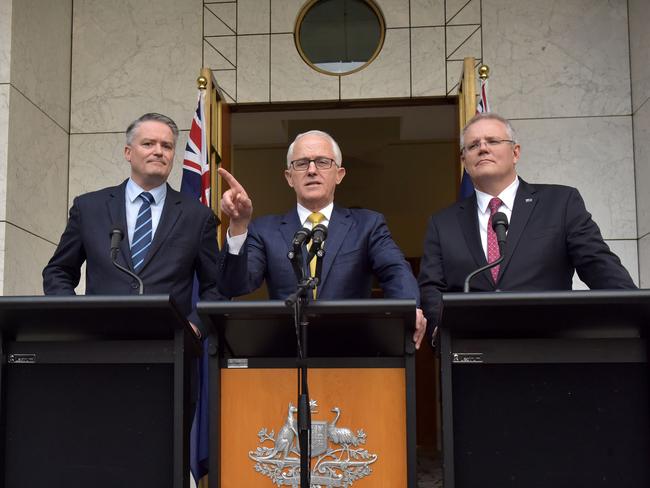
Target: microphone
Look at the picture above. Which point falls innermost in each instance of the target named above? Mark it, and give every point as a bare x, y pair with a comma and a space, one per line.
116, 237
318, 235
300, 237
499, 226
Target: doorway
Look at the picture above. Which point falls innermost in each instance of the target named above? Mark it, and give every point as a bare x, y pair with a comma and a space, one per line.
401, 159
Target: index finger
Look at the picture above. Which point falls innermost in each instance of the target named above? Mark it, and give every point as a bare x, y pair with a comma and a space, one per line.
230, 179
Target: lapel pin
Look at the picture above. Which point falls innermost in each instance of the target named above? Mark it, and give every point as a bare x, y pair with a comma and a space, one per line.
528, 200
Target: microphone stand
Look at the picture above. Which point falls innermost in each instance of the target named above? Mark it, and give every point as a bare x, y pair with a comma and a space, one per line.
116, 237
500, 226
299, 301
480, 270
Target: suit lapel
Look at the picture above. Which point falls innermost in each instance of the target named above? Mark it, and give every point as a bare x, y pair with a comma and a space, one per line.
337, 229
523, 207
289, 224
117, 211
468, 219
172, 210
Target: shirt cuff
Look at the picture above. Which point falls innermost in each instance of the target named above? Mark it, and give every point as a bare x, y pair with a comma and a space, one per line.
235, 243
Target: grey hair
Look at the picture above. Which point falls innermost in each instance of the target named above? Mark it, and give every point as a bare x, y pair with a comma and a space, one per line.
133, 126
338, 157
512, 135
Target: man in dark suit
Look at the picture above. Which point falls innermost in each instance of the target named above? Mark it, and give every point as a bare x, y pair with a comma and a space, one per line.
550, 236
169, 236
358, 243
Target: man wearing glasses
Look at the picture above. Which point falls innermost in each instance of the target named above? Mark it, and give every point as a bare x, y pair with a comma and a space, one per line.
550, 236
358, 244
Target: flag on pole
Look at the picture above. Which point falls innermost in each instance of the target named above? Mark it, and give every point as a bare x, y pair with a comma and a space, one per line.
196, 167
196, 183
466, 186
483, 106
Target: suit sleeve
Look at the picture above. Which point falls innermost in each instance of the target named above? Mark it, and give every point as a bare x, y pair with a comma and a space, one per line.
61, 275
243, 273
432, 277
388, 263
595, 263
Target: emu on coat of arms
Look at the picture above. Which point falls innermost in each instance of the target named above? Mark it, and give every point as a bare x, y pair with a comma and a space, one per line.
339, 461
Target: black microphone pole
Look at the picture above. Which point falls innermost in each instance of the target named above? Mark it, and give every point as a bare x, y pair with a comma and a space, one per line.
116, 237
500, 226
298, 300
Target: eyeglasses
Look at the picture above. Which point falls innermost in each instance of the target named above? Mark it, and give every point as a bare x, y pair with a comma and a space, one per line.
319, 162
490, 142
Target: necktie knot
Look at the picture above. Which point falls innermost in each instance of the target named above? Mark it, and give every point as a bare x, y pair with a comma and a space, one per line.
315, 218
494, 205
143, 232
146, 197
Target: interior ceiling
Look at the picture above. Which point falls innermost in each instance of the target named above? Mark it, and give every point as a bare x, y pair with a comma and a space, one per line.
404, 123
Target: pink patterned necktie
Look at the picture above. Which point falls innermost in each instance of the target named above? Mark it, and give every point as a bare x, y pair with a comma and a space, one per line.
492, 244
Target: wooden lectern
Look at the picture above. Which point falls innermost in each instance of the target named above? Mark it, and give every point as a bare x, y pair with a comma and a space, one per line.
95, 392
546, 389
361, 378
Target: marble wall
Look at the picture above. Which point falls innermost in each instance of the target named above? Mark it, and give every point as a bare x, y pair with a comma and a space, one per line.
572, 75
639, 16
560, 71
34, 133
249, 44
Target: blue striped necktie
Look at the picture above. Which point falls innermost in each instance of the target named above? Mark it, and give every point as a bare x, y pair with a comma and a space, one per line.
143, 232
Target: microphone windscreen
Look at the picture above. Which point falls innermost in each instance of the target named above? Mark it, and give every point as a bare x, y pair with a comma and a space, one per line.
499, 218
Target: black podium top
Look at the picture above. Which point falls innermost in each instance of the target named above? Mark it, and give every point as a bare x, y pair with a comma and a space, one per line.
346, 328
85, 317
617, 312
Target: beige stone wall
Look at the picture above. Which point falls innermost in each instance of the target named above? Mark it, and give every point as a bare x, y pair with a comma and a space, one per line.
639, 16
560, 70
250, 46
34, 133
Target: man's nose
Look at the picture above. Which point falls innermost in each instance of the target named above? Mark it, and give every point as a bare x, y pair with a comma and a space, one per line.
482, 147
311, 169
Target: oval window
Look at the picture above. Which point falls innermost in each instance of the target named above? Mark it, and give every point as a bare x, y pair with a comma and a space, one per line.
339, 36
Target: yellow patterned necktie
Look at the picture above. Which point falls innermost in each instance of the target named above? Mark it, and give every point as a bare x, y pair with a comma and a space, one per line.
315, 218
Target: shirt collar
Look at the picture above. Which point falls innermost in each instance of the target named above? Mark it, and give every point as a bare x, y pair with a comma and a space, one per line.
507, 196
133, 191
303, 213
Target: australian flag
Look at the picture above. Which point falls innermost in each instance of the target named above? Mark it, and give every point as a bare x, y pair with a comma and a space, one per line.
196, 182
466, 187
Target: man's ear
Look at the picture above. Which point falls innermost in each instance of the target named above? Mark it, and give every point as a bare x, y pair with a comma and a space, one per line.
287, 175
340, 174
516, 150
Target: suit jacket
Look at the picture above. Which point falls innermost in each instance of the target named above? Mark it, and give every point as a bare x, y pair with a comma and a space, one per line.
358, 245
551, 234
184, 243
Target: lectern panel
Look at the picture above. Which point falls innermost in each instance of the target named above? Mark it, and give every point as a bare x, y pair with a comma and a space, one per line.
256, 413
541, 425
100, 426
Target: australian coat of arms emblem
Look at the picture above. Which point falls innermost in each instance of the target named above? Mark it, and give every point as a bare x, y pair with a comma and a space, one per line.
337, 458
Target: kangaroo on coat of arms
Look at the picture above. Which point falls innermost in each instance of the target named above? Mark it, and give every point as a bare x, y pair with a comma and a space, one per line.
339, 461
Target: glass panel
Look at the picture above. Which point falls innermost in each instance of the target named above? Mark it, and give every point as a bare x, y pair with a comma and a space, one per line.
340, 36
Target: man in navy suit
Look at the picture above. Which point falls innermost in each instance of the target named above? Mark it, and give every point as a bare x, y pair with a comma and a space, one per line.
550, 236
180, 232
358, 243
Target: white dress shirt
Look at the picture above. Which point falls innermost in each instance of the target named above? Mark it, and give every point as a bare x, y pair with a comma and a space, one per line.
133, 204
507, 196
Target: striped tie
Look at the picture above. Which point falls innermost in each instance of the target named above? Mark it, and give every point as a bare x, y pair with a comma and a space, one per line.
143, 231
315, 218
